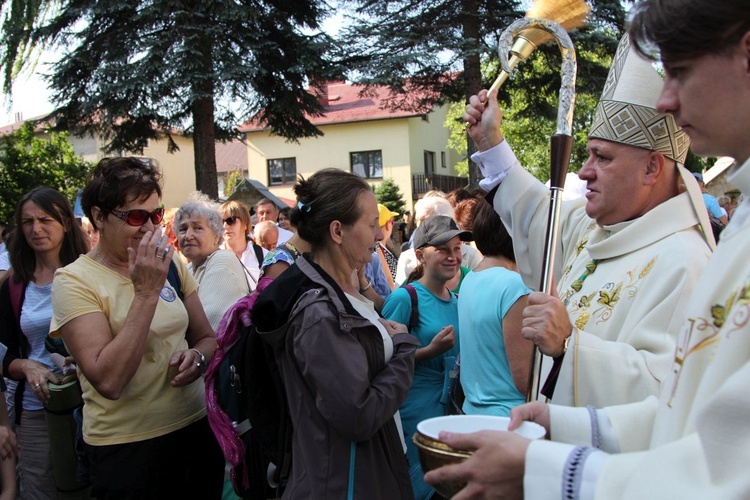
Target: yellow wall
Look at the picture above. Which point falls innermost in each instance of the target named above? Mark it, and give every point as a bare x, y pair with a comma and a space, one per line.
178, 169
431, 136
401, 140
332, 150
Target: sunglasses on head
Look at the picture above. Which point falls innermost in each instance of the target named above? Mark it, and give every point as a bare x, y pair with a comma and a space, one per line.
229, 221
139, 217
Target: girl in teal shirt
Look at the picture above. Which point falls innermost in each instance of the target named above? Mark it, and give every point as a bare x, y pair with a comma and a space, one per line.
437, 244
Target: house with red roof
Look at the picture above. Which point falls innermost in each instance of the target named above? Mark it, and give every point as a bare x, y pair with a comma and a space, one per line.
362, 136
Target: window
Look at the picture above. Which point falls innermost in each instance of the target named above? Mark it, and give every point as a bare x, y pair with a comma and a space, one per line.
282, 171
367, 164
429, 163
442, 160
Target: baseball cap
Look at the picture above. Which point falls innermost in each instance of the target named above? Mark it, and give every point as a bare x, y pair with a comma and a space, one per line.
384, 215
698, 176
438, 230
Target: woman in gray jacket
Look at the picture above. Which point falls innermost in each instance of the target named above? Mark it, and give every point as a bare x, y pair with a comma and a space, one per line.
346, 371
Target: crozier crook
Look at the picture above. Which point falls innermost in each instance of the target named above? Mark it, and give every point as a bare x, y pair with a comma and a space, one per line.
561, 145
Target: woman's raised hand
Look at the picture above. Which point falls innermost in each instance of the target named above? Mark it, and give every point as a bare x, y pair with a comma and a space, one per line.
443, 341
393, 327
149, 263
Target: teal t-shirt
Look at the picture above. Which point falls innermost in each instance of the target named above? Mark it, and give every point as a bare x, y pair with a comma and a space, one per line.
486, 297
425, 398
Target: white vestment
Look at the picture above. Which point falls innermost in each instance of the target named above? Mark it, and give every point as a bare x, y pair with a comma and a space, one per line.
694, 442
629, 309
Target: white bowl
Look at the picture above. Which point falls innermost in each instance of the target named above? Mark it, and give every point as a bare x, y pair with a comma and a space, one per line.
474, 423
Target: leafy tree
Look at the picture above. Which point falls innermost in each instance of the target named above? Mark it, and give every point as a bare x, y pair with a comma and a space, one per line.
439, 49
530, 99
133, 70
390, 195
232, 179
425, 52
27, 161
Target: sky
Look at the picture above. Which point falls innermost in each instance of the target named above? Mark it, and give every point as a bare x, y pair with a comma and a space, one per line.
30, 97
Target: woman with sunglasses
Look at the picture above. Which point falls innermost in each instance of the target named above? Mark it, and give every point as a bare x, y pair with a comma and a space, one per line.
46, 238
141, 340
237, 230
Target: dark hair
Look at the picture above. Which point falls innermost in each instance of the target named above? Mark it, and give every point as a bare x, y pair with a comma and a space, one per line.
686, 29
464, 213
265, 201
457, 196
285, 211
327, 195
54, 204
416, 274
490, 235
116, 181
235, 208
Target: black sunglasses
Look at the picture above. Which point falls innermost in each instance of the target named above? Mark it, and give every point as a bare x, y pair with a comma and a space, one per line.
139, 217
229, 221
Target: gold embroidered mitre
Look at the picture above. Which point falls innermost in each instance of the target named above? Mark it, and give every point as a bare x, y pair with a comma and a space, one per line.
626, 112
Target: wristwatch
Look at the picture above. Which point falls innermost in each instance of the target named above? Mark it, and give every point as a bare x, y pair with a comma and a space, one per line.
566, 342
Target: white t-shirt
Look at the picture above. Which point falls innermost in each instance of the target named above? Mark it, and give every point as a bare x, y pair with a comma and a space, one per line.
250, 261
367, 310
4, 261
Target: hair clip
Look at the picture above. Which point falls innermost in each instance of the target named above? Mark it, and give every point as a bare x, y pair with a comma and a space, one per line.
303, 207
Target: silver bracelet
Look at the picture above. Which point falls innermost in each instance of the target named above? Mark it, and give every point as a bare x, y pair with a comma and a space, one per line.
202, 363
367, 287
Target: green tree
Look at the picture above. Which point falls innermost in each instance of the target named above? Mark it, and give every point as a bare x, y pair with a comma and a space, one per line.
390, 195
134, 70
530, 99
426, 52
446, 51
27, 161
232, 179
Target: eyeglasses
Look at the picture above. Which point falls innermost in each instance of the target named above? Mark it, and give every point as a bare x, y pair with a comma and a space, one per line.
139, 217
229, 221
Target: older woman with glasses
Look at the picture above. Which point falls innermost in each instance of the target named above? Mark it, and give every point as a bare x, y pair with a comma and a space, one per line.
237, 229
131, 318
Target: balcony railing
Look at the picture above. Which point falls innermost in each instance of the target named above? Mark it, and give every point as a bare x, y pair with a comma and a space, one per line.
421, 183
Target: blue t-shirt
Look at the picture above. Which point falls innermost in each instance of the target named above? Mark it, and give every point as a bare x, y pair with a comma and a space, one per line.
486, 297
375, 274
426, 398
36, 315
712, 204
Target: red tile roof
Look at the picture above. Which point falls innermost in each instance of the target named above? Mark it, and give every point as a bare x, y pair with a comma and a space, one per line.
345, 106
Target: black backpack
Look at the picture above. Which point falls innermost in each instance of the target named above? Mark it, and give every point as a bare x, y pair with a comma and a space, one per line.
246, 405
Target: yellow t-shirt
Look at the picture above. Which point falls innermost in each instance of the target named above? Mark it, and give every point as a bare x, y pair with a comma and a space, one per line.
149, 407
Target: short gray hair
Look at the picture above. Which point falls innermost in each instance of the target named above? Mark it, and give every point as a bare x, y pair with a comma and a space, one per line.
198, 204
435, 205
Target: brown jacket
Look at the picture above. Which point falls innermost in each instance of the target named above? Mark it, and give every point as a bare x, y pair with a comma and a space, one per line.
342, 395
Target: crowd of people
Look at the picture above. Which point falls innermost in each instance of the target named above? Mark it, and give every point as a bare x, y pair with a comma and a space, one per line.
376, 312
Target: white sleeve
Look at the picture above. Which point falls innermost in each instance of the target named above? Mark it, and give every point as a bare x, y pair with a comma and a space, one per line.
495, 163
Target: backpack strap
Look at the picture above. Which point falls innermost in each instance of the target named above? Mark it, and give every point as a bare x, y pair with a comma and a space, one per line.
16, 292
258, 253
414, 316
173, 276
